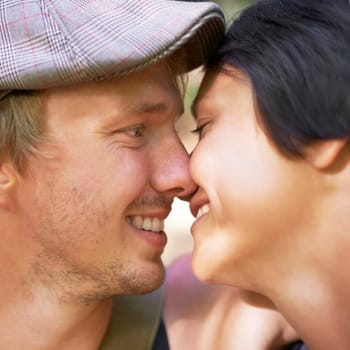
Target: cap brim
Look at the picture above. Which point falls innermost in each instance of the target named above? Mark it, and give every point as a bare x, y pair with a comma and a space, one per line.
70, 41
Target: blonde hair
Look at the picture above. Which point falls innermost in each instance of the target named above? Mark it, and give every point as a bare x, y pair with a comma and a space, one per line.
21, 126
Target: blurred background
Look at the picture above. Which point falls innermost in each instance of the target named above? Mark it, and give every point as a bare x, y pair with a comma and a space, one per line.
179, 221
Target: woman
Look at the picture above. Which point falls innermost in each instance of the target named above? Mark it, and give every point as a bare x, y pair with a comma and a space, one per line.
273, 164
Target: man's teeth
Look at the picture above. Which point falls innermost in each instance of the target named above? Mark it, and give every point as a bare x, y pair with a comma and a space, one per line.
147, 224
202, 210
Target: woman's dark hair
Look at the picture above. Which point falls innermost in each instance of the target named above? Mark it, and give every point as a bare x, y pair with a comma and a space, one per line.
296, 54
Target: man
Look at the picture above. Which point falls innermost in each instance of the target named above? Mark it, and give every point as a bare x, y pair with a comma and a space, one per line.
90, 163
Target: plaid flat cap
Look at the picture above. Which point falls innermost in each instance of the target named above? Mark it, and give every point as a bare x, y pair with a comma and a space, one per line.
46, 43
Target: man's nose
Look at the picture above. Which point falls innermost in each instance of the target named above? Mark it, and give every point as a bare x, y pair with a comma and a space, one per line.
170, 169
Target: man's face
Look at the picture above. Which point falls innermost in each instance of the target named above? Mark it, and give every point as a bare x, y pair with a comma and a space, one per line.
95, 200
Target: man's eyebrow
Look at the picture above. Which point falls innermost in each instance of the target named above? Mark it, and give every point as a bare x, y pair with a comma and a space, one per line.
152, 108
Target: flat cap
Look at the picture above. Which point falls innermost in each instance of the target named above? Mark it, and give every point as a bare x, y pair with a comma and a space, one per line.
46, 43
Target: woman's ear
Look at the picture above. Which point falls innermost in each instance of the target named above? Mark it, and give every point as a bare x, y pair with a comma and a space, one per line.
8, 179
324, 153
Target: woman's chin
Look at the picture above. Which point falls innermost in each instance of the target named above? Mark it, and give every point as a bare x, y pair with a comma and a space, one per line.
204, 269
256, 299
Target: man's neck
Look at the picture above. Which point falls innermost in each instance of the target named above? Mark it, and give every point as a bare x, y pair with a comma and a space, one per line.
43, 323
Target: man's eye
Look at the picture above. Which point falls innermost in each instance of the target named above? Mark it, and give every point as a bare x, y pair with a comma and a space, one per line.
136, 131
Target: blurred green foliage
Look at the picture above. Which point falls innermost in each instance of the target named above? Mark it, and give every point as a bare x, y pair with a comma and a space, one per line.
232, 7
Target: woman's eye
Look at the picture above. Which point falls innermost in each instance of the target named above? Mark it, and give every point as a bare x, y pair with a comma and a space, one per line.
199, 130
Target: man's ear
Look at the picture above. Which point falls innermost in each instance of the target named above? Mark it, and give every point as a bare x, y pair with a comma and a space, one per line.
8, 179
324, 153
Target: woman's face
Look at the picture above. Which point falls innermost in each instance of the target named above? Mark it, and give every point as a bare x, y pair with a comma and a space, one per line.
253, 204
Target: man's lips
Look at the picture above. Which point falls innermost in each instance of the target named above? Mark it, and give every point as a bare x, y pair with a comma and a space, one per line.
150, 226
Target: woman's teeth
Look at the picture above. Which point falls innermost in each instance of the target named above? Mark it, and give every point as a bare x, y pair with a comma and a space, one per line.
203, 210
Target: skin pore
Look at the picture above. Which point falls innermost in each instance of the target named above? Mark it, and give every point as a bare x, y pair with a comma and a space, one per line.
86, 215
270, 223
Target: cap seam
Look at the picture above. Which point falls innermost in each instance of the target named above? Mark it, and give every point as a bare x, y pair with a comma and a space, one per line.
77, 52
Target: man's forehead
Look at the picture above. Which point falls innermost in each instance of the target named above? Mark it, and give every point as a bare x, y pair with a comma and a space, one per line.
145, 91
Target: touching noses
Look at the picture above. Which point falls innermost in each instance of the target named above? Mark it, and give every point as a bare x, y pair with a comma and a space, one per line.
171, 170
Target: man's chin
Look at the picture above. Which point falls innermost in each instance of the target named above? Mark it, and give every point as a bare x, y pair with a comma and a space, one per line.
146, 281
